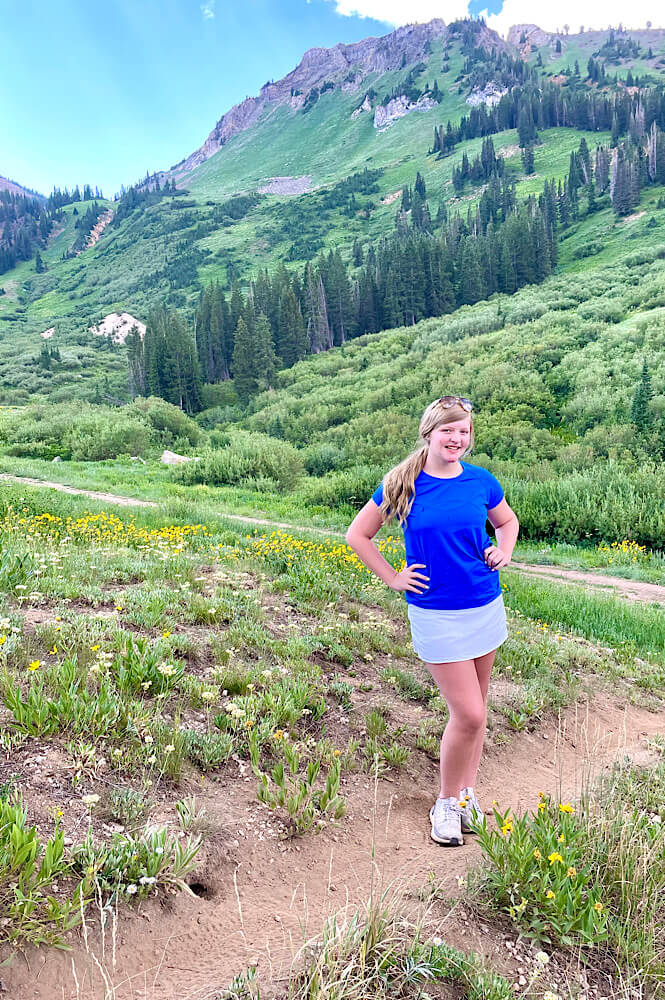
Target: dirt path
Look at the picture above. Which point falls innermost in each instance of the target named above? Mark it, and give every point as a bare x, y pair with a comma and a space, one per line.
264, 896
634, 590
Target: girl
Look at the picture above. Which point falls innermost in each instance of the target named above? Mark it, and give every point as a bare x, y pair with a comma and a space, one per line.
455, 606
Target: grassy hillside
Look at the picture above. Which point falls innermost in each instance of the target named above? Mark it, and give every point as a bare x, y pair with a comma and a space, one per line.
169, 250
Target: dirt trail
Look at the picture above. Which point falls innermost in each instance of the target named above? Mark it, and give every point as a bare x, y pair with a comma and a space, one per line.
265, 896
634, 590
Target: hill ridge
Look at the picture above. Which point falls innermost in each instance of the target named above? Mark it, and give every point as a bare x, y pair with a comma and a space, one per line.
343, 65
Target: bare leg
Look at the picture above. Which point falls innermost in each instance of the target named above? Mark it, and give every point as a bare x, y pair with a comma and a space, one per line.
484, 666
461, 744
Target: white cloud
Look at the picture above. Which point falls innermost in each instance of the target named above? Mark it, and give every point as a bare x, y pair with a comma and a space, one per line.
575, 13
208, 9
590, 13
397, 13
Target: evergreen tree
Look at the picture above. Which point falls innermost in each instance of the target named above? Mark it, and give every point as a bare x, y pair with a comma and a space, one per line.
639, 412
528, 159
245, 375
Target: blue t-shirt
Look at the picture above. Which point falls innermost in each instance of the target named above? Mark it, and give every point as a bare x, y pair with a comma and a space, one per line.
446, 530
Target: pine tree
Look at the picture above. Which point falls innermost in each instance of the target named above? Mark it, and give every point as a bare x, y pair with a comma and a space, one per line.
640, 414
245, 380
528, 159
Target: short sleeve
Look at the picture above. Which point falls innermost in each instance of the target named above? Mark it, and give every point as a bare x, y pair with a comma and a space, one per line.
377, 495
494, 491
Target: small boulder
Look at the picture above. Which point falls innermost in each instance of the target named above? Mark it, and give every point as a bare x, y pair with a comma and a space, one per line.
57, 459
170, 458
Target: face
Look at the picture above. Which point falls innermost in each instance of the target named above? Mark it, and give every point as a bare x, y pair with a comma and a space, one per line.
449, 441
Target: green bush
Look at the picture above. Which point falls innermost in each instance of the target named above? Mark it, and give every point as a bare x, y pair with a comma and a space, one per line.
351, 488
246, 458
169, 421
87, 433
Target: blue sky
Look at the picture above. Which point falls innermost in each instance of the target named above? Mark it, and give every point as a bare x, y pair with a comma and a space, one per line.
99, 91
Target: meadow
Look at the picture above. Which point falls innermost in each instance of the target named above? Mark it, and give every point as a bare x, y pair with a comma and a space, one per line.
200, 713
150, 664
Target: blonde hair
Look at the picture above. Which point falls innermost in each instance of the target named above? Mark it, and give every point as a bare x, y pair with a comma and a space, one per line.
398, 484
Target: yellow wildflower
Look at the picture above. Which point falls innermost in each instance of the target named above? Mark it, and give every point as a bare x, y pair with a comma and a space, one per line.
550, 895
572, 872
598, 907
537, 855
566, 807
554, 857
35, 665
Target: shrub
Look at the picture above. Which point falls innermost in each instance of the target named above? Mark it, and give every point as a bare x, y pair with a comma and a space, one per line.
169, 421
351, 488
246, 458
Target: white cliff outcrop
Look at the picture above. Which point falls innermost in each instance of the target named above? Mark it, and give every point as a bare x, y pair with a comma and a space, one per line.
385, 115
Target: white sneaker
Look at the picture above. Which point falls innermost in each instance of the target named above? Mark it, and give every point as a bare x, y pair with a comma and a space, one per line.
471, 813
446, 817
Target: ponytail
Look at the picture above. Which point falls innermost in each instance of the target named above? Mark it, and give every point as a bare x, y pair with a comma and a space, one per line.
398, 486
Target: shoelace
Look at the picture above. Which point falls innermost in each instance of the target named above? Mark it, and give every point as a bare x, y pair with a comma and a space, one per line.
447, 809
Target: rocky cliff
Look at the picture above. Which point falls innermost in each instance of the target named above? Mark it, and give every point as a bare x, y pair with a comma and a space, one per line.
344, 66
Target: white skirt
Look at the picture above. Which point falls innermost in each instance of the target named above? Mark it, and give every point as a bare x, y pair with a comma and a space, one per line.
447, 636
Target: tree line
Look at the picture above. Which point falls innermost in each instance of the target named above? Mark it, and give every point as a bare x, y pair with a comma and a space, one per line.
529, 109
422, 269
25, 224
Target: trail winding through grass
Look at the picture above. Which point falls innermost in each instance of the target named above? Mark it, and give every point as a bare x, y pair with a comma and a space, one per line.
634, 590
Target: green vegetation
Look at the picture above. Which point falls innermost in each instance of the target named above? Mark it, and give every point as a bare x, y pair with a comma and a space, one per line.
571, 876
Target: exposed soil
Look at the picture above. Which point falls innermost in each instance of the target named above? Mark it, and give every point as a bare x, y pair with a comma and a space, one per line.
287, 185
634, 590
96, 232
258, 898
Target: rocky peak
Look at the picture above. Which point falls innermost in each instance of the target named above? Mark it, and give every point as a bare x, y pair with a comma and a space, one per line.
341, 66
531, 32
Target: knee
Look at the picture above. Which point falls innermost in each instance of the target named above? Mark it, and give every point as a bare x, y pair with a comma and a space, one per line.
471, 719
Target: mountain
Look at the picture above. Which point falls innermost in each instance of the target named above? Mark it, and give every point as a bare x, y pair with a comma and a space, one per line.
344, 66
320, 161
14, 188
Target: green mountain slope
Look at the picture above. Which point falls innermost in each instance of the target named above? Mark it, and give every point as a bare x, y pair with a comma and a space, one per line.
170, 249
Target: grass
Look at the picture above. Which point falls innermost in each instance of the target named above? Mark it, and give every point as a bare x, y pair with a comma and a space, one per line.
571, 875
153, 655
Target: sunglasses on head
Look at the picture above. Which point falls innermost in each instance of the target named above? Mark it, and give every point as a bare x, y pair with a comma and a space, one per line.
448, 401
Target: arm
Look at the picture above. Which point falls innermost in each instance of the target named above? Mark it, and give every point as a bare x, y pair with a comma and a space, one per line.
359, 537
505, 523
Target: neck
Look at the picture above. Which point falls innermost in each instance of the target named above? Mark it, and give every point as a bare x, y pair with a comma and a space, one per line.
442, 470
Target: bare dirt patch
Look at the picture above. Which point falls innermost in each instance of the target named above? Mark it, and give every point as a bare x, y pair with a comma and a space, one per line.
634, 216
633, 590
390, 198
262, 896
99, 227
287, 185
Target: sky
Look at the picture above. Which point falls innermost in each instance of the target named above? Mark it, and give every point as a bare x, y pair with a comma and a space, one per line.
101, 91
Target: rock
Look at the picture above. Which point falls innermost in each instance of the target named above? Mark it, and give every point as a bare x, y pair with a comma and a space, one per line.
57, 459
533, 34
365, 106
137, 458
385, 115
490, 94
170, 458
